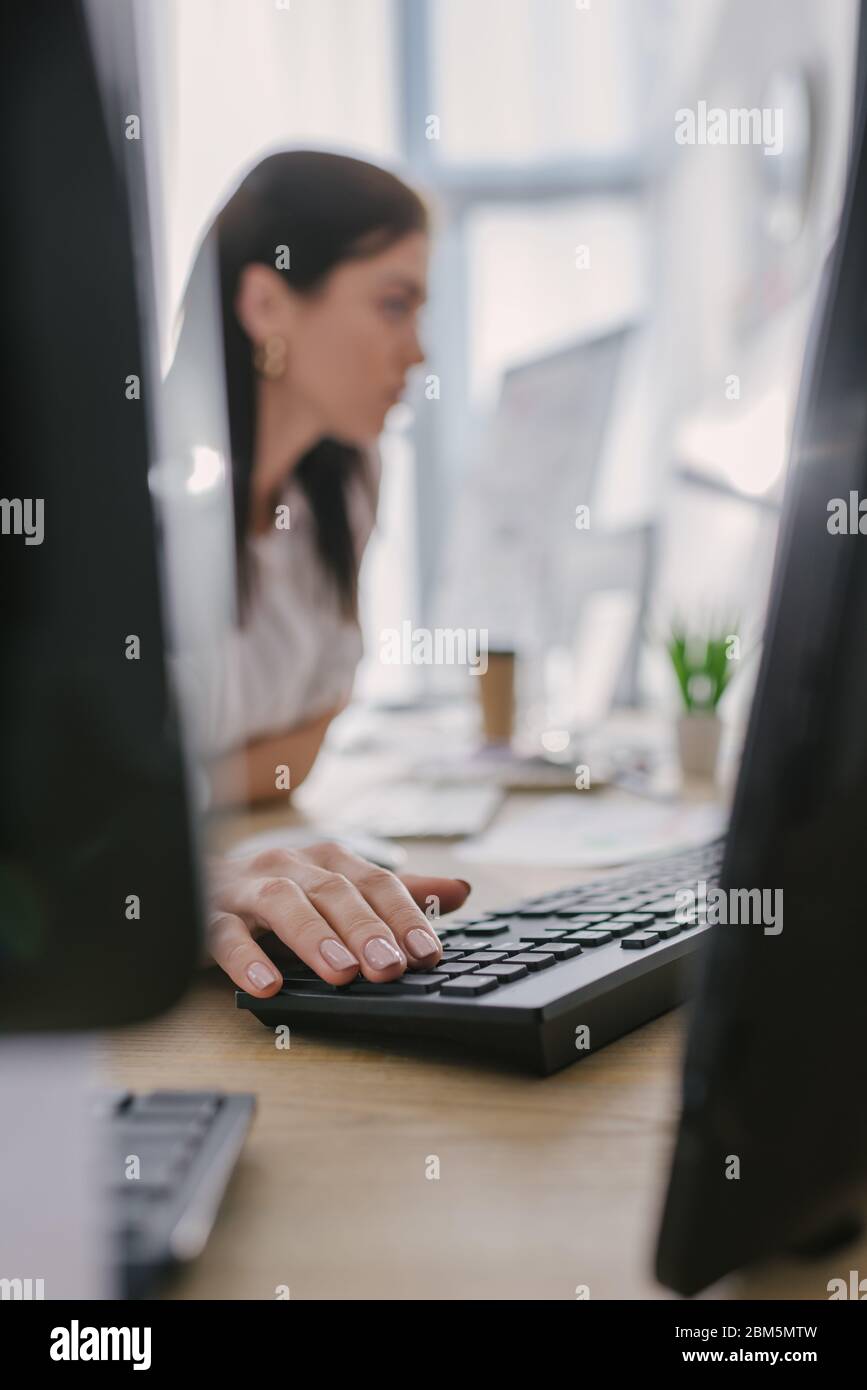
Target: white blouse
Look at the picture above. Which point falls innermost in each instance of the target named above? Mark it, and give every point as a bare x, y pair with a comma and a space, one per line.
296, 654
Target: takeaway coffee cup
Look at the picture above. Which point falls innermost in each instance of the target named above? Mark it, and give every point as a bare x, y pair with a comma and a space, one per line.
497, 693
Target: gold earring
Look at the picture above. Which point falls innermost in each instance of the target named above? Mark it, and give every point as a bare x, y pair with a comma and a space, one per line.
269, 358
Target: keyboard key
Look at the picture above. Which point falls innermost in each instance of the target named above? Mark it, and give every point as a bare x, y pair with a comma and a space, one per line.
161, 1126
488, 929
180, 1100
589, 938
486, 957
507, 972
158, 1171
181, 1105
661, 905
422, 981
640, 940
475, 984
455, 968
560, 950
616, 905
533, 960
615, 928
155, 1183
313, 985
588, 917
408, 983
541, 934
633, 919
666, 929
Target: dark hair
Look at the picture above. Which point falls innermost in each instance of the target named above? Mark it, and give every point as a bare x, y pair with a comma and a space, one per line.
326, 208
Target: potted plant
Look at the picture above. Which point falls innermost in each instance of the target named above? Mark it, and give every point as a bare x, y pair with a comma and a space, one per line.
703, 666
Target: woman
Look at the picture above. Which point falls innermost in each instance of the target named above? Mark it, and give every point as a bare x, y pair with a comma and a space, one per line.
322, 265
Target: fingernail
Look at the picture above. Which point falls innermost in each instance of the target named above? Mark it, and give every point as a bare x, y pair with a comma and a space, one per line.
260, 975
337, 955
421, 943
468, 886
380, 953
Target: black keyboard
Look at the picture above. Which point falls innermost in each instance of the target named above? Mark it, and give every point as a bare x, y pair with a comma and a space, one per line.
169, 1156
539, 983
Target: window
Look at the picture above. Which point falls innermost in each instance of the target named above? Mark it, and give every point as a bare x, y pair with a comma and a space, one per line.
518, 81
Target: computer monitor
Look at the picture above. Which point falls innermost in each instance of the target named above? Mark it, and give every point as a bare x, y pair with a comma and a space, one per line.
772, 1146
541, 450
99, 906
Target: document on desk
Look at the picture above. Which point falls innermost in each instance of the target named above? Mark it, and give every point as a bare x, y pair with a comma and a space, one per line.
408, 809
594, 832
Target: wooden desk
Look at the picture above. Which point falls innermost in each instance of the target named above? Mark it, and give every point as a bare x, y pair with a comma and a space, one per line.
545, 1184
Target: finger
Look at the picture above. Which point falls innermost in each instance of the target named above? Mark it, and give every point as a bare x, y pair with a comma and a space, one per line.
448, 893
317, 903
281, 906
348, 920
233, 948
392, 901
367, 934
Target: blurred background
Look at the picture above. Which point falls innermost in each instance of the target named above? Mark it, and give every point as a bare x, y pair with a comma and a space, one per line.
587, 474
617, 321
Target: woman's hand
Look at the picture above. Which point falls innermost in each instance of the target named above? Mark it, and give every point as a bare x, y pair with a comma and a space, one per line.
339, 913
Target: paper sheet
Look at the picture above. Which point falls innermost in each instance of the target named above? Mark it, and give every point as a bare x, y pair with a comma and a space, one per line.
585, 832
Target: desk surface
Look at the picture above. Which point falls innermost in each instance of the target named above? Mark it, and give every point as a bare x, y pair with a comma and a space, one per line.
545, 1183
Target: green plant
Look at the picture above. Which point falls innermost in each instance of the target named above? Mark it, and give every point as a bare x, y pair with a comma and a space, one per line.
702, 663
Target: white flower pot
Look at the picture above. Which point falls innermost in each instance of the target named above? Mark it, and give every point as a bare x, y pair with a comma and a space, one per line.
698, 737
